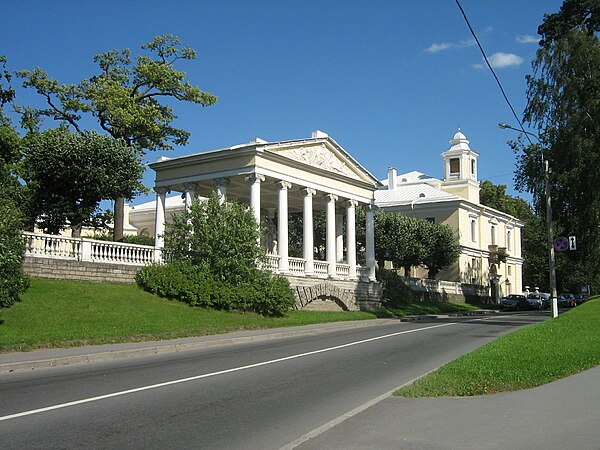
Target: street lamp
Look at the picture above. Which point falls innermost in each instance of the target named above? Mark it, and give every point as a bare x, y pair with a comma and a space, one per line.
551, 259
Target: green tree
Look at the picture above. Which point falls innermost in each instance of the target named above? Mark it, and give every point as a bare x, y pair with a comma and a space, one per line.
125, 97
69, 174
408, 242
441, 247
13, 281
222, 236
398, 240
564, 106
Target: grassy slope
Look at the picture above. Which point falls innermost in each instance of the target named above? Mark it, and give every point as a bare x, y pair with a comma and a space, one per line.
528, 357
58, 313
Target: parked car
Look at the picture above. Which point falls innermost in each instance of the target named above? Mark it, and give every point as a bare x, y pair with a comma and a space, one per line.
566, 301
517, 302
581, 298
538, 300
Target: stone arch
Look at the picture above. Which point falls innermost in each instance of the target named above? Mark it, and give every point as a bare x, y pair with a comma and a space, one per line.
345, 299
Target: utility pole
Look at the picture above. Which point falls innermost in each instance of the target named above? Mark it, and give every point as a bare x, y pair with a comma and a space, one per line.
551, 258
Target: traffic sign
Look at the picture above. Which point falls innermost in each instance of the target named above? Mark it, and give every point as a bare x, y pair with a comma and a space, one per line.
561, 244
572, 243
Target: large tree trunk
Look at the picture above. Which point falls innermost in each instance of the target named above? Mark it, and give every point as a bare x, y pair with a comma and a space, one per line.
119, 216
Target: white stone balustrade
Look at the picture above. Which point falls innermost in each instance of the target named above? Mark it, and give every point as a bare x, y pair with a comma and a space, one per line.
82, 249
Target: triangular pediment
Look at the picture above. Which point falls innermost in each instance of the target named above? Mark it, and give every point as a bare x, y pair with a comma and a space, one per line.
325, 156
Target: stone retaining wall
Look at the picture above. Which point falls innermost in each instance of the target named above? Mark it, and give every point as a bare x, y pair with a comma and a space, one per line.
65, 269
425, 290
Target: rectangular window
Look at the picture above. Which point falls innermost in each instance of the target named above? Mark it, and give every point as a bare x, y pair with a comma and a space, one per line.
473, 230
454, 166
493, 235
509, 240
509, 270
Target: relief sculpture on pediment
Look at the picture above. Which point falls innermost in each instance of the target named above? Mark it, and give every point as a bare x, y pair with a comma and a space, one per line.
319, 157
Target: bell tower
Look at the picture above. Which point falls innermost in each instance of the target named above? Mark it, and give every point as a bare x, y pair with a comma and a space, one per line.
460, 169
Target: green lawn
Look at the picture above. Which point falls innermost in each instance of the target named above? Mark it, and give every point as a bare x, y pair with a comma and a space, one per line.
420, 308
526, 358
59, 313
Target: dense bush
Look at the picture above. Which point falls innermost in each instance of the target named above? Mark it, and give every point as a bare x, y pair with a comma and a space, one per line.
264, 293
213, 262
13, 281
394, 290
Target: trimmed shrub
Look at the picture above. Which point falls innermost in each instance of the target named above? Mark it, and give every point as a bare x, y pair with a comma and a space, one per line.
263, 293
274, 296
179, 281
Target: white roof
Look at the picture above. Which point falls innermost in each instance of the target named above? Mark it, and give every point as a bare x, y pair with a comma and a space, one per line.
416, 192
171, 203
412, 187
411, 178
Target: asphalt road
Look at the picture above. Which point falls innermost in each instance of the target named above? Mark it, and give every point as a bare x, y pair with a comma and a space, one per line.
254, 396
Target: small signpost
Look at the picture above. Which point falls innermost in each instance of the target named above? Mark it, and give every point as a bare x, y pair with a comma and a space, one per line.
561, 244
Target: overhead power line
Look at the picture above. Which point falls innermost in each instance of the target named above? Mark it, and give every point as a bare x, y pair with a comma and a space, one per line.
493, 73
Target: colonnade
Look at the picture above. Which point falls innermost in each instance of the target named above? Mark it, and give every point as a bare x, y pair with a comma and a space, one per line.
334, 242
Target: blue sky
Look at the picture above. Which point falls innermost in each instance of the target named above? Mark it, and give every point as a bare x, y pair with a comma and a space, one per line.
390, 81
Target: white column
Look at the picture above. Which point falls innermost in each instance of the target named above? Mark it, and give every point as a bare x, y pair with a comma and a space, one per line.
282, 226
308, 231
254, 181
351, 237
159, 225
221, 187
339, 237
330, 240
370, 238
190, 193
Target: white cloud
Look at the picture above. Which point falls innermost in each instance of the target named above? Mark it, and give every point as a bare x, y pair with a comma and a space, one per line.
500, 60
527, 39
434, 48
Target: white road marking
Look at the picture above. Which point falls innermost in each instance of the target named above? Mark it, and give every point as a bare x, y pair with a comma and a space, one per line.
212, 374
332, 423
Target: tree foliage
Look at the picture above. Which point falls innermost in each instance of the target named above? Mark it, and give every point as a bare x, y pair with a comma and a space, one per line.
441, 247
13, 281
409, 242
125, 96
214, 261
564, 106
69, 174
223, 236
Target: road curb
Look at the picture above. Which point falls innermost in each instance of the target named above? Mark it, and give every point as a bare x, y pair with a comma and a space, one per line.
203, 342
445, 316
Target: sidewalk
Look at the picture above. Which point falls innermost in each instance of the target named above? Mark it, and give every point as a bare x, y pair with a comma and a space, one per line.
560, 415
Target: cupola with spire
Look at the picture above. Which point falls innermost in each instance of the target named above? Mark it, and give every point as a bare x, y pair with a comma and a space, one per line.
460, 169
